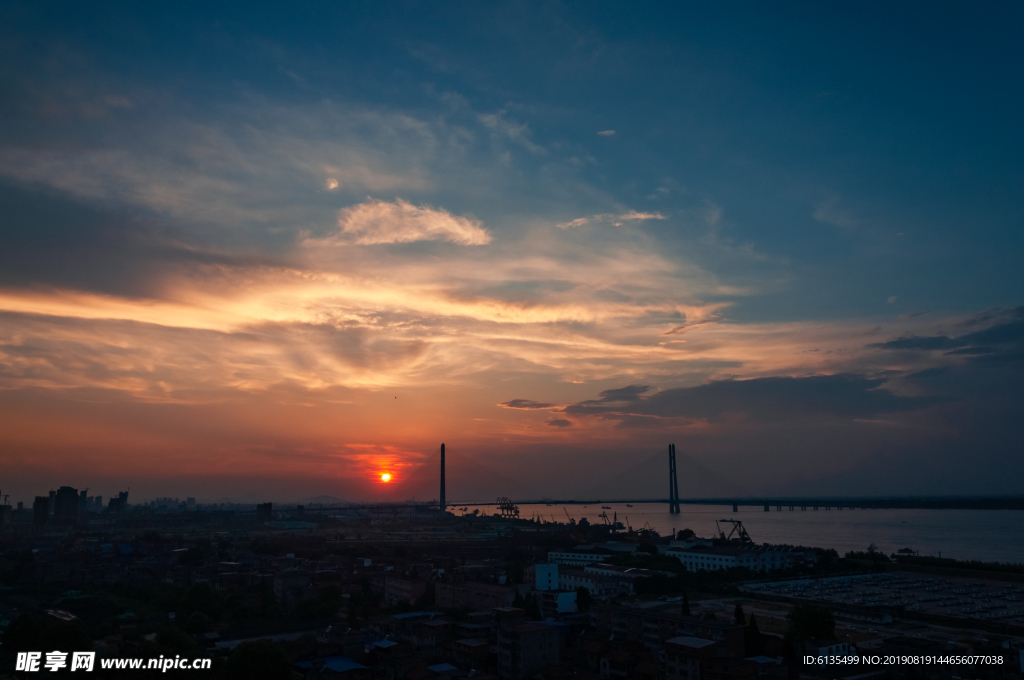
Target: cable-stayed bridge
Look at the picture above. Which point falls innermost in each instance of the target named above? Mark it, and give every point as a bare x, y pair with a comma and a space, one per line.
648, 469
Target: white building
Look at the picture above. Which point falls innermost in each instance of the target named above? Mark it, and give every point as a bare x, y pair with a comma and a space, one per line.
545, 576
578, 557
712, 558
600, 587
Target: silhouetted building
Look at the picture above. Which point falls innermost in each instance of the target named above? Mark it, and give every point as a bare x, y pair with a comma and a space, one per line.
40, 511
292, 586
473, 596
525, 649
401, 590
264, 512
119, 504
65, 511
555, 602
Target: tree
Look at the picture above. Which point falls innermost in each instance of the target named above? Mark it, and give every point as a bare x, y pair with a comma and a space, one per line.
193, 557
261, 659
808, 620
648, 548
686, 605
752, 638
738, 615
583, 599
326, 604
176, 641
198, 622
200, 598
515, 572
533, 609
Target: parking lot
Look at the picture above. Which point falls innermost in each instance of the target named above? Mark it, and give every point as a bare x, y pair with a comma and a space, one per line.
958, 597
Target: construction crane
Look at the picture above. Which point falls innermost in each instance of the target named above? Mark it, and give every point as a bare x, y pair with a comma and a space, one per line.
737, 528
604, 516
629, 527
571, 520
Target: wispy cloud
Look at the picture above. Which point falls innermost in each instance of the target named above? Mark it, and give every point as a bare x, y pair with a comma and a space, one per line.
511, 130
229, 175
830, 212
614, 219
526, 405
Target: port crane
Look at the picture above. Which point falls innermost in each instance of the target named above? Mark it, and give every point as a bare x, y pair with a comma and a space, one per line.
508, 508
737, 528
571, 520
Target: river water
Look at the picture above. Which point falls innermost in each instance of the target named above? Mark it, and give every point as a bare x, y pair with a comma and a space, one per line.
986, 535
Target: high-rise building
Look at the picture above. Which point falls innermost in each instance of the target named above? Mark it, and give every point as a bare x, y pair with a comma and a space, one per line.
119, 504
65, 511
40, 511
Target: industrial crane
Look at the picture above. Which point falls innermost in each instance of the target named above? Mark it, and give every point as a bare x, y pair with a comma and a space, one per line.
737, 528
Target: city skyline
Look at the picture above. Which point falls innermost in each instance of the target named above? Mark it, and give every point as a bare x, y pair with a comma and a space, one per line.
283, 252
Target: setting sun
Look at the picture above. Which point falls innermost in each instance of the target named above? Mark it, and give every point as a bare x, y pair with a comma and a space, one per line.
385, 477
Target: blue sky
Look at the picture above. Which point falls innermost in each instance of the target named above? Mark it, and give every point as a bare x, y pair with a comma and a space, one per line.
316, 204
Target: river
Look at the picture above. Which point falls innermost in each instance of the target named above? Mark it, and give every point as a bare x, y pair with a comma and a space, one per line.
986, 535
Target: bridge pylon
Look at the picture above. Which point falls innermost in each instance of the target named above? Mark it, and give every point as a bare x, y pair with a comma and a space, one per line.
673, 481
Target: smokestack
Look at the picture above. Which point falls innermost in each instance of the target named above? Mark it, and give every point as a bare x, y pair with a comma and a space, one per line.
442, 503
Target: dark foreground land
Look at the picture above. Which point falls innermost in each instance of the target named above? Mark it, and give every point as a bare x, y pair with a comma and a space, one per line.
412, 595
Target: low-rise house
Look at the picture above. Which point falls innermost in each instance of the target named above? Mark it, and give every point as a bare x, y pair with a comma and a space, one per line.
472, 596
403, 590
524, 650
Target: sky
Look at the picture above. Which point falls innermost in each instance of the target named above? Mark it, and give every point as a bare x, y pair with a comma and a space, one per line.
273, 252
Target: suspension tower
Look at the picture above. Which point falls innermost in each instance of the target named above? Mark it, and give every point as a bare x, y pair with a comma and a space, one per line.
673, 481
441, 503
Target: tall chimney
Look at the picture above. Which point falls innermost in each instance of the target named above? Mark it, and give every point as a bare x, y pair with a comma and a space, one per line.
442, 503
